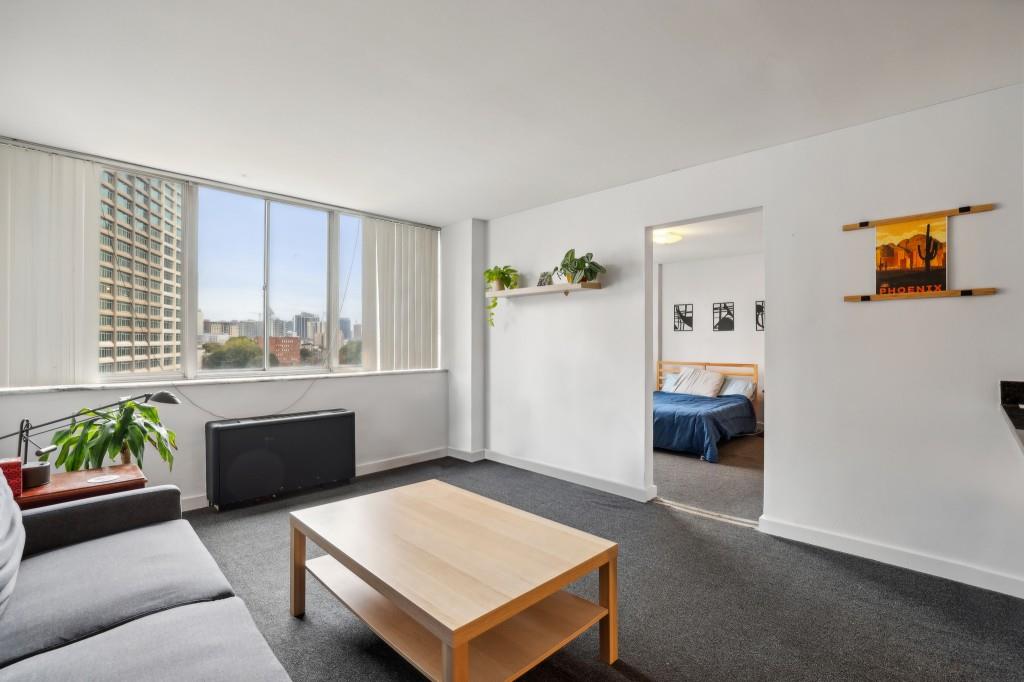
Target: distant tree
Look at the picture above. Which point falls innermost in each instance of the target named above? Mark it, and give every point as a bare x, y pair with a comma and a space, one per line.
236, 352
351, 353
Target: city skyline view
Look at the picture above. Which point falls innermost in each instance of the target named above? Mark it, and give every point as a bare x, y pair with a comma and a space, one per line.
231, 259
234, 247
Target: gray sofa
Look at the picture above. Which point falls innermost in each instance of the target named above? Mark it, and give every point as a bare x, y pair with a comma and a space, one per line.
119, 587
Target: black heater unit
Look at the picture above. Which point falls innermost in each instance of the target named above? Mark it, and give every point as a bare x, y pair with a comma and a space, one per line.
259, 457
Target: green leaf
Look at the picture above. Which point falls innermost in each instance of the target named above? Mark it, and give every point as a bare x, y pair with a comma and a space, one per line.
149, 412
136, 440
99, 447
60, 436
74, 462
114, 446
165, 453
63, 455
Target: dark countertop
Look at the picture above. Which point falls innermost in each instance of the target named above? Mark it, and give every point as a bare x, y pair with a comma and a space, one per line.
1011, 395
1015, 413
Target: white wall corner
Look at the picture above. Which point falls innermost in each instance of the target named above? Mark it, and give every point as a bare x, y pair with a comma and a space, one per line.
467, 455
463, 328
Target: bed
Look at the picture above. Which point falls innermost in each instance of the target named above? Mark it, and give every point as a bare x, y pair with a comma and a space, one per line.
696, 424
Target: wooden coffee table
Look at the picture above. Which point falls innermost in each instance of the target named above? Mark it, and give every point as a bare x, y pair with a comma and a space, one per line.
465, 588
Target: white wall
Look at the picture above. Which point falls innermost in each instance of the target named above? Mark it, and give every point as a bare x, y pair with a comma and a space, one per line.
704, 282
886, 439
463, 330
400, 418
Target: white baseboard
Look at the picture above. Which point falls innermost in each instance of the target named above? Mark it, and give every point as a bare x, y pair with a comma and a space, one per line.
193, 502
613, 487
399, 461
897, 556
467, 455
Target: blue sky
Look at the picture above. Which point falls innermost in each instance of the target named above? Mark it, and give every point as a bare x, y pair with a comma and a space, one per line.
231, 259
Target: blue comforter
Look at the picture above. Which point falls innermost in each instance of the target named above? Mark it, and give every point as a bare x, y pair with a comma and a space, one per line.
693, 423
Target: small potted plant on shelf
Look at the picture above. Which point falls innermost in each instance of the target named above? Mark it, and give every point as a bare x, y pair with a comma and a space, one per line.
579, 269
122, 431
498, 278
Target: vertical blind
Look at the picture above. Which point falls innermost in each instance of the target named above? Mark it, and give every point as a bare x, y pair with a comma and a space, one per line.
400, 293
49, 209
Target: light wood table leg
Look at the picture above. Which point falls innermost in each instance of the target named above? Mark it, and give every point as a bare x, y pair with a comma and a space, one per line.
456, 662
608, 581
298, 572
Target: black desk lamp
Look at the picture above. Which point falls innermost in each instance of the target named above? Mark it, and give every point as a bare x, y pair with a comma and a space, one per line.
34, 474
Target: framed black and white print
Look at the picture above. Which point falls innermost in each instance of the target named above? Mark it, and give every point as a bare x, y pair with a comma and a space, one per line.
682, 317
723, 316
758, 316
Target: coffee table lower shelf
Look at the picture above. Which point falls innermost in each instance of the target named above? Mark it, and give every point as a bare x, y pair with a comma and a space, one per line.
504, 652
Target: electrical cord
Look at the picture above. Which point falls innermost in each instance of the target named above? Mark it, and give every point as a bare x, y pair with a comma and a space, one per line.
284, 409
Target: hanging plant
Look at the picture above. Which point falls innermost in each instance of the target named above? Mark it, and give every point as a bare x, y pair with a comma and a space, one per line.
498, 278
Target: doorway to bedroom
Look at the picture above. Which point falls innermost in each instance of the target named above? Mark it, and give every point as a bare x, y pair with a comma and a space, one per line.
709, 327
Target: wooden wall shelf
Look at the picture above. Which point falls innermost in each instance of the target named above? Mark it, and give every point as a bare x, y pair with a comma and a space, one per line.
949, 293
962, 210
550, 289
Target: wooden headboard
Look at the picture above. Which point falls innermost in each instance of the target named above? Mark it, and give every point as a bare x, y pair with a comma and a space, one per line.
732, 369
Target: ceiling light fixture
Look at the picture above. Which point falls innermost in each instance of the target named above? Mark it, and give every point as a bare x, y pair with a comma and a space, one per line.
667, 235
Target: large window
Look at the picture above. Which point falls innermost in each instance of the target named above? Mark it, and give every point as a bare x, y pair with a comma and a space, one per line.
350, 293
261, 260
297, 285
231, 238
179, 279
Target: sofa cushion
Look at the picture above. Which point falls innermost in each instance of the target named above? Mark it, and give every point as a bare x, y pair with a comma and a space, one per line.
79, 590
207, 641
12, 542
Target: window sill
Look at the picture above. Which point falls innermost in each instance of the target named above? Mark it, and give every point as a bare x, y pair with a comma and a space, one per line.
228, 379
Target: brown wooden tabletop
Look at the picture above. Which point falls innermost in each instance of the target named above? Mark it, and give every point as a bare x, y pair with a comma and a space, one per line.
75, 485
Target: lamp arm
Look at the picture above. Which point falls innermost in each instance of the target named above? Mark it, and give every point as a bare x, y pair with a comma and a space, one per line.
32, 427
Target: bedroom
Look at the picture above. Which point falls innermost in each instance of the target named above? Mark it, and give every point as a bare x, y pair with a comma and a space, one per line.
708, 412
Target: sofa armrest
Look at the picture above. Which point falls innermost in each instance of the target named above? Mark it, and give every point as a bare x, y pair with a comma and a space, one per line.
63, 524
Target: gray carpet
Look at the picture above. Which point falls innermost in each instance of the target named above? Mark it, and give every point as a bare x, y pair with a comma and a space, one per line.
699, 599
734, 485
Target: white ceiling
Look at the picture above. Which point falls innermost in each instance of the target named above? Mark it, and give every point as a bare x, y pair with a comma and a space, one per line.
731, 235
441, 110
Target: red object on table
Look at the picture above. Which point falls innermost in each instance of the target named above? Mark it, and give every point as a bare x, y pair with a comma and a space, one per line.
12, 472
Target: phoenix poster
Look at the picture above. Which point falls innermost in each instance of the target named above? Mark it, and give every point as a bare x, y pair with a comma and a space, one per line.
910, 257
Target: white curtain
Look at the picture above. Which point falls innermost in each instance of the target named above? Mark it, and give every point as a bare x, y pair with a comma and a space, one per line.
400, 309
49, 265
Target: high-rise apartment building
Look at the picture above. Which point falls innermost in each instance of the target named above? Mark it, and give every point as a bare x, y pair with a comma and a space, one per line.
140, 274
306, 325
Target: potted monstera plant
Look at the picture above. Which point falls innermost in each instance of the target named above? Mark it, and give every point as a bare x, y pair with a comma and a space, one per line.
498, 278
579, 268
122, 432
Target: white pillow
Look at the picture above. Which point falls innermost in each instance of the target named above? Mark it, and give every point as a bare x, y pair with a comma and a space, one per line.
699, 382
668, 382
737, 386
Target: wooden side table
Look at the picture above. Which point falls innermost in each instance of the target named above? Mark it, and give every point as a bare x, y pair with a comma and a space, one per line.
75, 485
